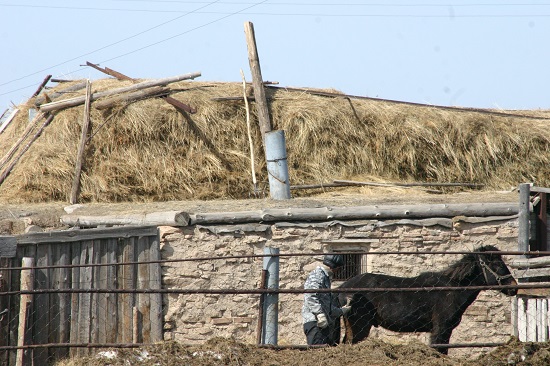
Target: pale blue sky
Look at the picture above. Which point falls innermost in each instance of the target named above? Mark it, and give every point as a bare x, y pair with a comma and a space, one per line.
492, 54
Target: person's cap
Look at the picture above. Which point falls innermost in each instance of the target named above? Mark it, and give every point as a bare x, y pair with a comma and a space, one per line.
333, 260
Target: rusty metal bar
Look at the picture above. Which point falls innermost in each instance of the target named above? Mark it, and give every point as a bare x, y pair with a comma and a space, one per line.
163, 261
278, 291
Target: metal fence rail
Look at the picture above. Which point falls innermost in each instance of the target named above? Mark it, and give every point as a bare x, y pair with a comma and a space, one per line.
107, 293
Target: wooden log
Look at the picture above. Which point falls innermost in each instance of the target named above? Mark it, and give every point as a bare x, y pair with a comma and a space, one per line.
169, 218
51, 96
174, 102
41, 86
75, 191
72, 236
27, 284
8, 119
131, 97
538, 262
417, 184
259, 91
72, 102
9, 168
357, 213
23, 137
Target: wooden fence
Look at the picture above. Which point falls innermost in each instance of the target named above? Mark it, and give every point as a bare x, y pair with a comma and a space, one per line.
72, 308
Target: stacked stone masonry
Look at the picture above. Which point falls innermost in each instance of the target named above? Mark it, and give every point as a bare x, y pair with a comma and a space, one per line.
197, 317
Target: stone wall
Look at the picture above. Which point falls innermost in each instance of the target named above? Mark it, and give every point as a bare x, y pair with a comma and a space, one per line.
198, 317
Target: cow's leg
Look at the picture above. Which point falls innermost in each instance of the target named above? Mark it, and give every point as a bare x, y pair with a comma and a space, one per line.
359, 320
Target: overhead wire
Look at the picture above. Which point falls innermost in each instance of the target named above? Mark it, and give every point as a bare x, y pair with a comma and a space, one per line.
141, 48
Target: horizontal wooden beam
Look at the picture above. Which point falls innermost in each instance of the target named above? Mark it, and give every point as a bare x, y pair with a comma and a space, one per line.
68, 236
358, 213
169, 218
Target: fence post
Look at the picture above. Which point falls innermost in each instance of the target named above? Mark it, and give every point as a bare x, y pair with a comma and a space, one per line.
27, 282
523, 217
271, 303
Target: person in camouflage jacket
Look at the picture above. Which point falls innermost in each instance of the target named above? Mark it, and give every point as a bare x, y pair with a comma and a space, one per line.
321, 311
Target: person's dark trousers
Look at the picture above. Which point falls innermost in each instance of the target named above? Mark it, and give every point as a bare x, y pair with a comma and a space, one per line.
316, 335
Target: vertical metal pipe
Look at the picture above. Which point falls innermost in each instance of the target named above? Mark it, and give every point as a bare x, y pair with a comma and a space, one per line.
523, 217
277, 165
271, 302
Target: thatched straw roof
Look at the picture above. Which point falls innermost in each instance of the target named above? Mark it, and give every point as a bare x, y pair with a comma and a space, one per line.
148, 151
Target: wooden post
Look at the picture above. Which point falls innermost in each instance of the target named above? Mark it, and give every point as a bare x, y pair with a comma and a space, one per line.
27, 281
83, 138
8, 169
523, 217
257, 82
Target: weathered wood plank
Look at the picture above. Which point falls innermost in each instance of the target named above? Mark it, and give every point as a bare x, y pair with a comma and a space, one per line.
25, 309
531, 315
111, 299
84, 310
8, 120
42, 304
5, 308
75, 298
96, 326
62, 281
69, 236
143, 282
127, 281
522, 319
8, 246
155, 276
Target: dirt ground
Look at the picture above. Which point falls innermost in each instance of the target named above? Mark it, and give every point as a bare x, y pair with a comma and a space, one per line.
369, 352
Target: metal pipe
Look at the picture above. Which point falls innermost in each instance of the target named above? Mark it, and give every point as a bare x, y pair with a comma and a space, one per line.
271, 302
277, 166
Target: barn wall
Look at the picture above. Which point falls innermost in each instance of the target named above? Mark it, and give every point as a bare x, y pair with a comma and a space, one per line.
196, 318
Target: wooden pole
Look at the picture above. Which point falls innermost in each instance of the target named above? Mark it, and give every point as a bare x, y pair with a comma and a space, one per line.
27, 281
81, 147
41, 86
259, 91
523, 217
23, 137
73, 102
120, 76
8, 170
249, 132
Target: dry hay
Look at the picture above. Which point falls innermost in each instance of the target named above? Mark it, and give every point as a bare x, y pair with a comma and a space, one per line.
372, 351
147, 151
